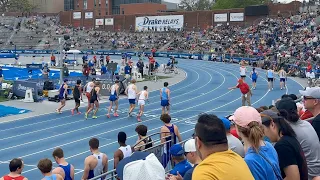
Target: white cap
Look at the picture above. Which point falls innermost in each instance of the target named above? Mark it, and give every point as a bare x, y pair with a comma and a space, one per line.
312, 92
147, 169
190, 146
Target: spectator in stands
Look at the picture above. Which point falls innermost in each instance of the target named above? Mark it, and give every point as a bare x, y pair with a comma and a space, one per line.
45, 71
233, 143
53, 60
245, 90
169, 134
218, 162
103, 69
144, 141
292, 161
124, 149
178, 158
305, 134
192, 156
261, 157
65, 70
95, 164
311, 100
140, 65
16, 168
45, 167
127, 71
65, 169
86, 70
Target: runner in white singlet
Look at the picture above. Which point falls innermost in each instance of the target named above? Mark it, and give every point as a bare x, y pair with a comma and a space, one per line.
124, 150
143, 96
131, 92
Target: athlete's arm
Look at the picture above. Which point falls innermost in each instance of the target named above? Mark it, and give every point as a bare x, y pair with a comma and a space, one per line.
72, 172
168, 92
116, 158
86, 169
59, 171
147, 95
105, 162
59, 177
23, 178
160, 94
176, 131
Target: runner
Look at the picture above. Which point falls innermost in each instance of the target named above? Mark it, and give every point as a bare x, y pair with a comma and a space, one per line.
63, 92
165, 98
114, 99
254, 77
131, 92
270, 77
124, 149
77, 95
94, 100
243, 70
88, 87
283, 78
95, 164
143, 95
65, 169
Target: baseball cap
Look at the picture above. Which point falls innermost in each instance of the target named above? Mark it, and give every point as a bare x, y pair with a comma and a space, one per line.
176, 150
312, 92
245, 115
226, 123
286, 104
190, 146
65, 80
267, 114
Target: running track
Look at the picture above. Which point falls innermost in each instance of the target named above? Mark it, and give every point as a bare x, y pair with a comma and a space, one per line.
204, 90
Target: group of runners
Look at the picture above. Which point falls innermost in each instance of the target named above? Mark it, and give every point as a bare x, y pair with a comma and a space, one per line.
92, 91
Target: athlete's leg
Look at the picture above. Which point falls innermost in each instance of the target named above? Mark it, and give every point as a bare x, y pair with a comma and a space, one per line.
116, 108
96, 103
109, 109
63, 103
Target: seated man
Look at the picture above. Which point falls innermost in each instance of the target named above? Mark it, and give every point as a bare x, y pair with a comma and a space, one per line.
181, 164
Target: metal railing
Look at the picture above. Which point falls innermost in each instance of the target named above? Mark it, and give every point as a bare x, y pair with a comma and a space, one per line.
157, 149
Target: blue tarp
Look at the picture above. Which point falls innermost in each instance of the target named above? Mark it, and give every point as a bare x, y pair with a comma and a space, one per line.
7, 111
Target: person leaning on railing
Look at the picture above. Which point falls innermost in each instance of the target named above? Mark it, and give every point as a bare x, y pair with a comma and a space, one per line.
144, 141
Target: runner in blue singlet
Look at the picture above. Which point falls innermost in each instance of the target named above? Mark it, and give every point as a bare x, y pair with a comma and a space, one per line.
165, 98
169, 134
65, 169
254, 77
63, 92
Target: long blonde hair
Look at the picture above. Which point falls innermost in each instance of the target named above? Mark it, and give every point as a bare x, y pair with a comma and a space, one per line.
254, 133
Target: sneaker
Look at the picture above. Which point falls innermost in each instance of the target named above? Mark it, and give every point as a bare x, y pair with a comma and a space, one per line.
78, 112
138, 118
86, 115
116, 115
108, 115
94, 117
72, 112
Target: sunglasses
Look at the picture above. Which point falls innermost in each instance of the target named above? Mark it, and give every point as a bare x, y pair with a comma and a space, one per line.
306, 98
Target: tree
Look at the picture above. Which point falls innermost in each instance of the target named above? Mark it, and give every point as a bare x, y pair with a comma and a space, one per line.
16, 6
196, 5
229, 4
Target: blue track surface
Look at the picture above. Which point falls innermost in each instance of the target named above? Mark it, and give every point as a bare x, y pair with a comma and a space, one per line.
204, 90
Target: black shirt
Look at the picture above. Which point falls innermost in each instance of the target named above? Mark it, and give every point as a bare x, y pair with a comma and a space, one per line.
316, 124
290, 153
76, 92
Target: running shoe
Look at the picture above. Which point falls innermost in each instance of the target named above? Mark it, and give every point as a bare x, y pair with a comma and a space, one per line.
94, 117
79, 112
108, 115
138, 118
86, 115
72, 112
116, 115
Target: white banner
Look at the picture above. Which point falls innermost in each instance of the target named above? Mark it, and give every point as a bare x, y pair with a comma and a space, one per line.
108, 21
220, 17
88, 15
159, 22
99, 22
236, 17
76, 15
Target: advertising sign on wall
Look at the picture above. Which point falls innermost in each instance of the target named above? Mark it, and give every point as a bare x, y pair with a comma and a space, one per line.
108, 21
220, 17
159, 22
99, 22
88, 15
76, 15
236, 17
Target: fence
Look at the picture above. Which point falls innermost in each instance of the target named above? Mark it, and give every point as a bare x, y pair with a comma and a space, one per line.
157, 149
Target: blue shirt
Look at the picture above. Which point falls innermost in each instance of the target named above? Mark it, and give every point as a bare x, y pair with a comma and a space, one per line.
260, 168
182, 167
1, 72
104, 69
127, 70
188, 174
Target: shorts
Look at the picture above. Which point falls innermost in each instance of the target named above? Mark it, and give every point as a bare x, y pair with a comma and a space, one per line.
93, 101
270, 79
113, 98
77, 100
88, 96
254, 80
282, 79
164, 103
243, 76
132, 101
141, 102
62, 98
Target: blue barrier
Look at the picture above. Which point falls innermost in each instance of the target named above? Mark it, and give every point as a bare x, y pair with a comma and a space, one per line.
132, 53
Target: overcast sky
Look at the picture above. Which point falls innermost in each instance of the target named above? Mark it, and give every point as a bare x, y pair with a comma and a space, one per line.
286, 1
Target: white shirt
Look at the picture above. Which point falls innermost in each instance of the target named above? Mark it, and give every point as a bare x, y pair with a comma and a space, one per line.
142, 96
89, 87
126, 151
242, 71
131, 92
